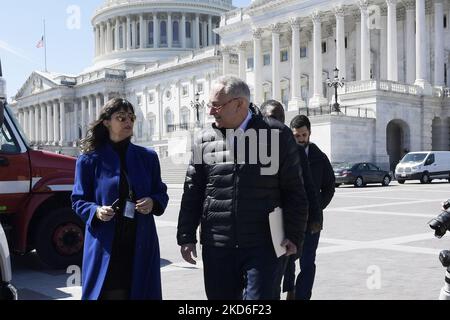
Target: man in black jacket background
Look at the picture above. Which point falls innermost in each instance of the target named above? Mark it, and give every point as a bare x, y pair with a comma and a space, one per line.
231, 199
324, 181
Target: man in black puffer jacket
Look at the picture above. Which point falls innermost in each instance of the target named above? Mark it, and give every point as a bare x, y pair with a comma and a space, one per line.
232, 184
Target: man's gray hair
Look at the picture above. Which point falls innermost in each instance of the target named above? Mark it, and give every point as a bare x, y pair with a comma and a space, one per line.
234, 87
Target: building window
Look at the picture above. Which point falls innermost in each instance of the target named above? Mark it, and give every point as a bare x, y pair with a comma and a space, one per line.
150, 33
303, 52
284, 97
188, 29
250, 63
200, 28
200, 87
175, 32
120, 37
163, 33
266, 59
139, 129
139, 100
169, 121
284, 55
346, 42
151, 97
131, 34
113, 38
324, 47
138, 34
445, 21
266, 95
185, 91
151, 126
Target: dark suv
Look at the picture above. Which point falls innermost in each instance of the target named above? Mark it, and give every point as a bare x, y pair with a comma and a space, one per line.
359, 174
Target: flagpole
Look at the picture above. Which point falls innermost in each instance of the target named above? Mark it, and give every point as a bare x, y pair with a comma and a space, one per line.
45, 48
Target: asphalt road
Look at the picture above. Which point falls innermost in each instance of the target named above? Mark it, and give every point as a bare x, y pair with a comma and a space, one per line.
376, 244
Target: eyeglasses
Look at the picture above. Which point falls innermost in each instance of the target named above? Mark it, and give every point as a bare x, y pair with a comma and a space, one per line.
122, 117
217, 108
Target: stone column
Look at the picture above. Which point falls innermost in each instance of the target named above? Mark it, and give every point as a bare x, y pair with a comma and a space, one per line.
51, 138
410, 42
365, 40
340, 41
31, 124
95, 40
76, 105
83, 117
37, 137
116, 35
439, 39
392, 40
242, 53
317, 100
90, 110
108, 36
44, 136
421, 49
276, 90
56, 122
142, 28
169, 30
129, 33
26, 122
197, 31
204, 34
183, 30
62, 137
105, 41
226, 60
134, 33
296, 101
210, 31
155, 30
257, 65
98, 106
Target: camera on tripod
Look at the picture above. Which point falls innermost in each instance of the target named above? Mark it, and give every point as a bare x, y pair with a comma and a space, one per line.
441, 223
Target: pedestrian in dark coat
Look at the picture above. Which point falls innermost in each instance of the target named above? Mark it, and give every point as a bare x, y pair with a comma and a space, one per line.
121, 251
231, 196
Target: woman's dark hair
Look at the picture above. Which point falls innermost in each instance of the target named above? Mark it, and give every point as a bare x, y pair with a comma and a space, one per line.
98, 134
301, 121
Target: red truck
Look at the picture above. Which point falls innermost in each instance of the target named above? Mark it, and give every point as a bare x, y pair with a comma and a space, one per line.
35, 206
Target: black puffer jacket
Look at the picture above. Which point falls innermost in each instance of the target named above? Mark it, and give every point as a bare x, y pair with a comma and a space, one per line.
232, 200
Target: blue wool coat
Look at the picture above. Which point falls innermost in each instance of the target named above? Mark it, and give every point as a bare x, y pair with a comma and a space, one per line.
97, 184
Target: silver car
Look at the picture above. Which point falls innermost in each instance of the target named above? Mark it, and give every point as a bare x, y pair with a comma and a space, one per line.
7, 290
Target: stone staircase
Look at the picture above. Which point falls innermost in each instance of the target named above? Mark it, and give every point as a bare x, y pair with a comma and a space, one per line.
172, 173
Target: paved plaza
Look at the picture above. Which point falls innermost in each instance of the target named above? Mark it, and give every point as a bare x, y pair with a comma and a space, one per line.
376, 244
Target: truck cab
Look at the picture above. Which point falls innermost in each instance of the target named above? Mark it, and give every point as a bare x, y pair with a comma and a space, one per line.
35, 206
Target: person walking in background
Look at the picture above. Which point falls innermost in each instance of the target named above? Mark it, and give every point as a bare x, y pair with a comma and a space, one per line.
324, 181
117, 191
274, 109
232, 200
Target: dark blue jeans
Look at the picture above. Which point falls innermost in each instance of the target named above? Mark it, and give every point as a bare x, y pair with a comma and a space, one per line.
236, 274
305, 280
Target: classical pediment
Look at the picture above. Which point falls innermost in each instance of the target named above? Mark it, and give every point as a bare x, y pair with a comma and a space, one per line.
36, 83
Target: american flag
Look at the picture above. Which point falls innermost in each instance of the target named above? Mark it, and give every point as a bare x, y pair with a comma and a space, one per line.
40, 43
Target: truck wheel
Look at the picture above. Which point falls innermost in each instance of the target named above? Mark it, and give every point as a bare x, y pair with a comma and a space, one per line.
425, 178
59, 239
401, 181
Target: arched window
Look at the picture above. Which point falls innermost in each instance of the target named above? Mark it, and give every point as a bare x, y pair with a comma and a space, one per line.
150, 33
121, 37
168, 117
175, 32
163, 32
188, 29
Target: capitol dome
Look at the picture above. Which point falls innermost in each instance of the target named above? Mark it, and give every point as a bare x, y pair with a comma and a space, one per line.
169, 28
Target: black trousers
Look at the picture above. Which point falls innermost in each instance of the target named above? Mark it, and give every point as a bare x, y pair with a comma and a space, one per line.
240, 273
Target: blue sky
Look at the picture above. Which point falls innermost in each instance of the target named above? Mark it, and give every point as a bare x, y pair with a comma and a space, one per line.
70, 47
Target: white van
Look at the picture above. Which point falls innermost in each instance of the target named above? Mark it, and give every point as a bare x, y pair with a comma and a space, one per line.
424, 166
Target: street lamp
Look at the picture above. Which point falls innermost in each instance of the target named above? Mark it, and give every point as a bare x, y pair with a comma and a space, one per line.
197, 105
336, 83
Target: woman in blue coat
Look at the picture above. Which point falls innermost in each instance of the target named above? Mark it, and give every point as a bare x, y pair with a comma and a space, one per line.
117, 191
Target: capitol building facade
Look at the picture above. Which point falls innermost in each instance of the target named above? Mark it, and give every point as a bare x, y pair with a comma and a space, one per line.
163, 56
